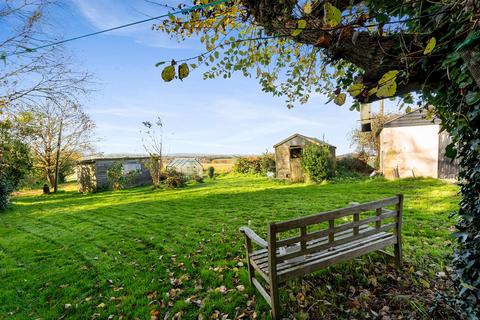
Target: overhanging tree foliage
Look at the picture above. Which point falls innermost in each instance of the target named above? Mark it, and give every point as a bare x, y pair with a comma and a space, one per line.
369, 49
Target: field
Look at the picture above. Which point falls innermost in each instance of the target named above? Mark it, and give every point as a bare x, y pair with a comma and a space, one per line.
178, 253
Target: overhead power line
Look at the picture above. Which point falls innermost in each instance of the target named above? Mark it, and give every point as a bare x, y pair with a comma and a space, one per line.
181, 11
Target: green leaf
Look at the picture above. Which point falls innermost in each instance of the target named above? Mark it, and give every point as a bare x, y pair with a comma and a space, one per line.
430, 46
472, 97
356, 89
408, 109
340, 99
333, 16
387, 77
387, 85
168, 73
387, 90
158, 64
301, 24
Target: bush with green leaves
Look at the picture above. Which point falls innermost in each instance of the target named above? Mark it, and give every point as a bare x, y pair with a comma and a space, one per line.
5, 191
211, 172
267, 163
317, 162
242, 165
197, 178
173, 179
255, 165
116, 177
352, 167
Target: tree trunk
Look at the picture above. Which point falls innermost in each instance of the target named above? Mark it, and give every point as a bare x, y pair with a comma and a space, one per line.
57, 160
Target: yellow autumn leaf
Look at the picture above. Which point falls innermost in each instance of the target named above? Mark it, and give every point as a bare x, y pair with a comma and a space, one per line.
356, 89
388, 77
307, 8
340, 99
332, 16
430, 46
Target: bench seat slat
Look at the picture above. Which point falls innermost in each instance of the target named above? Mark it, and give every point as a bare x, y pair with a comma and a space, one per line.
262, 261
288, 270
352, 253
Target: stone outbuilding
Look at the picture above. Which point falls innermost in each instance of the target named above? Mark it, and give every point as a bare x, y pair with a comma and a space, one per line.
412, 145
288, 154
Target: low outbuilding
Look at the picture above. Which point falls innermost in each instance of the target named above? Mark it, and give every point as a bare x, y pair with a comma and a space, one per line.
92, 171
288, 154
413, 145
187, 166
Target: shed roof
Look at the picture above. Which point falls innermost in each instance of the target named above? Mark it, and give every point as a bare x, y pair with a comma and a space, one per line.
311, 139
93, 158
417, 117
180, 162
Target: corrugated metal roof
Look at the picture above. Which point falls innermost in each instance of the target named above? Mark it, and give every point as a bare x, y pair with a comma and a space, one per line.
417, 117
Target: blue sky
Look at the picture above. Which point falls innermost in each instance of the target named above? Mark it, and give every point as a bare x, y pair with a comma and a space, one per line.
200, 116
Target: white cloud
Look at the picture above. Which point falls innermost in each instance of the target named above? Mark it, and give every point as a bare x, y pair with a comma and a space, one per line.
106, 14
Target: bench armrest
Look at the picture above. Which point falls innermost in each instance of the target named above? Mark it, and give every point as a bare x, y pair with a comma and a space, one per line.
254, 237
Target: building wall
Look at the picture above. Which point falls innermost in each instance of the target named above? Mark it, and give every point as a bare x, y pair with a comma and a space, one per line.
102, 166
282, 156
409, 151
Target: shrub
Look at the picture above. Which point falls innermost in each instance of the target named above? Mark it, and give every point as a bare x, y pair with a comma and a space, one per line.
255, 165
267, 163
317, 162
174, 179
350, 166
114, 175
197, 178
5, 190
211, 172
242, 165
117, 179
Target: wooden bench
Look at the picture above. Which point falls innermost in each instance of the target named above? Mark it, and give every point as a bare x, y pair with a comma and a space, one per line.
348, 233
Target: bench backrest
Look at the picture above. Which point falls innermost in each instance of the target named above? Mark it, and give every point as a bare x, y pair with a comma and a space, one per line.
341, 226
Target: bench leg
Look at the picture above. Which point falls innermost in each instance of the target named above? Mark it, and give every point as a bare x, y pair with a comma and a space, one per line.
398, 255
248, 249
275, 300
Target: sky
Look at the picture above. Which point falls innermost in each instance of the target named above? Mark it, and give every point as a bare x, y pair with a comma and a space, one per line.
200, 116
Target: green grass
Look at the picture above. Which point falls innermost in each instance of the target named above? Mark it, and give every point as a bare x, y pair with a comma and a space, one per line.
121, 253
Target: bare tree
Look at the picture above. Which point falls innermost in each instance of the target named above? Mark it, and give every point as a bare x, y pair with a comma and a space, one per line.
367, 144
58, 133
152, 139
28, 75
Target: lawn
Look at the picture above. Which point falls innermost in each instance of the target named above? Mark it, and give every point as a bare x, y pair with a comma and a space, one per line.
178, 253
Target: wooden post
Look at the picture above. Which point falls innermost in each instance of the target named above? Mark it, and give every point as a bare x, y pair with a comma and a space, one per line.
248, 248
272, 271
331, 225
303, 234
378, 223
356, 218
398, 245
